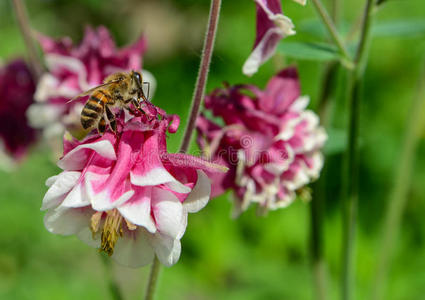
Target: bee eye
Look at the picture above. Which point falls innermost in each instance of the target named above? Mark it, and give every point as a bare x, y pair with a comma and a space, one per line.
138, 77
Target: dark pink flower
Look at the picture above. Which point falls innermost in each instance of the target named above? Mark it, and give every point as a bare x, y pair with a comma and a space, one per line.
17, 88
125, 193
73, 69
272, 26
269, 141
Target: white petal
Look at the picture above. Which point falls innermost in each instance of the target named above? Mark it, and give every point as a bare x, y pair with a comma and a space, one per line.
159, 176
166, 249
42, 115
76, 159
133, 249
66, 221
59, 186
77, 197
200, 194
86, 236
300, 104
168, 212
138, 212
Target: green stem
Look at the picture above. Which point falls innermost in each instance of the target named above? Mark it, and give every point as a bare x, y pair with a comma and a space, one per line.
198, 96
22, 17
331, 28
112, 284
153, 278
201, 81
398, 196
351, 175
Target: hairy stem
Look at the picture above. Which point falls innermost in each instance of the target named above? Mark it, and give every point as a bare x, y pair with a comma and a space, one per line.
351, 175
398, 196
22, 17
112, 284
201, 81
321, 10
153, 278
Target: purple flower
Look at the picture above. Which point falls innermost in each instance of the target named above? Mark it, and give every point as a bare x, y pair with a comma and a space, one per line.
74, 69
269, 141
17, 88
272, 26
125, 194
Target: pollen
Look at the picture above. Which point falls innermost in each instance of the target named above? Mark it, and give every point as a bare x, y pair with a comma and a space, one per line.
112, 230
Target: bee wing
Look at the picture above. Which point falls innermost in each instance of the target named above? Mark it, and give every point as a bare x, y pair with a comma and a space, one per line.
88, 92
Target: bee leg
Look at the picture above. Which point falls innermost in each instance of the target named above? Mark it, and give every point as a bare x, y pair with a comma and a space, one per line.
111, 119
101, 126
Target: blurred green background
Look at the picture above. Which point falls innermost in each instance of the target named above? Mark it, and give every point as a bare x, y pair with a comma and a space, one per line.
251, 257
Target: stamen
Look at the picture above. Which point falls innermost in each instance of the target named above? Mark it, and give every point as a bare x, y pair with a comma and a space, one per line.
95, 222
112, 229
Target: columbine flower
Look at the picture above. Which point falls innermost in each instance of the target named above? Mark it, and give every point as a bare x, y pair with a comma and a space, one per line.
16, 94
272, 26
74, 69
125, 193
269, 141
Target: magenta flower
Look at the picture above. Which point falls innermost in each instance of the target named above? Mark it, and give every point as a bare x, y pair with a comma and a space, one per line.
17, 88
74, 69
125, 193
272, 26
269, 141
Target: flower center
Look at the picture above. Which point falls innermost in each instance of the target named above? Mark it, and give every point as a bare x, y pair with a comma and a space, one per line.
112, 229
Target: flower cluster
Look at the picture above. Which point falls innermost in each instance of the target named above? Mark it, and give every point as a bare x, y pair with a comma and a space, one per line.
272, 26
75, 69
17, 88
125, 193
269, 141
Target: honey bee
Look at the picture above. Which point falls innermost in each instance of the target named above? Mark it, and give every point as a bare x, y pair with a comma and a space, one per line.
118, 90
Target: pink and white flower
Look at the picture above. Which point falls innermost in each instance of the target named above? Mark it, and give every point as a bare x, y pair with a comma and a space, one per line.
272, 26
269, 141
126, 194
17, 88
73, 69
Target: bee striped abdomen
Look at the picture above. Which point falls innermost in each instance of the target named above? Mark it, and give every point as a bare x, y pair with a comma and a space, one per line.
94, 108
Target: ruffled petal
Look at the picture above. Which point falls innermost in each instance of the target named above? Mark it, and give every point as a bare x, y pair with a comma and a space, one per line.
168, 212
133, 249
166, 248
59, 186
200, 194
67, 221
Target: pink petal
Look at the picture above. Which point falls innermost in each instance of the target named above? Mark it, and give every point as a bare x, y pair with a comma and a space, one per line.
77, 157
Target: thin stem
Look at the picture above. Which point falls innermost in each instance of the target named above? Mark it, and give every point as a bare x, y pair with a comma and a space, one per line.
198, 96
398, 197
112, 284
336, 11
201, 81
22, 17
153, 278
331, 28
351, 176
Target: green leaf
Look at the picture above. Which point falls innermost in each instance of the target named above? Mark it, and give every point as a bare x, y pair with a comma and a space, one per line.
309, 51
337, 141
400, 28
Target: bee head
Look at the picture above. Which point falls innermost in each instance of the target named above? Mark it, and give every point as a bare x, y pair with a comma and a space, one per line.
138, 80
